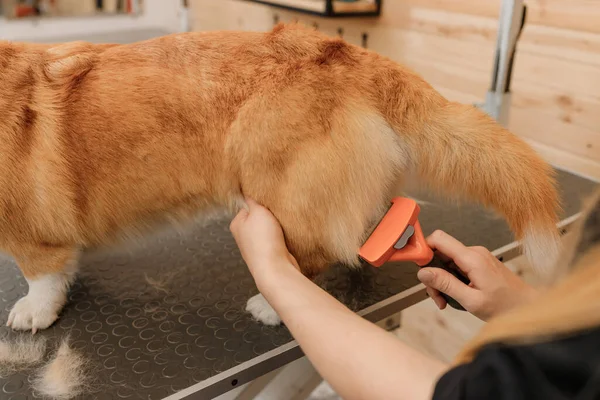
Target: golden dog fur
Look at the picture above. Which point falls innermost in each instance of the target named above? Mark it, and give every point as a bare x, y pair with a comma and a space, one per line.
101, 141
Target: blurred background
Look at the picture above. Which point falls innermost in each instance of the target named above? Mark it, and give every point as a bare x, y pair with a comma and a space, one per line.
60, 8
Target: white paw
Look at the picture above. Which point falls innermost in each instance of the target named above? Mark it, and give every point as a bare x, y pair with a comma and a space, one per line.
31, 314
262, 311
40, 308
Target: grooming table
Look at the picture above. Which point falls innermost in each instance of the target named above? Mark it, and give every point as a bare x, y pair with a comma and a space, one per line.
166, 317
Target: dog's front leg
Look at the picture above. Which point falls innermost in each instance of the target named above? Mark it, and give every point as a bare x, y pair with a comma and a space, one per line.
49, 271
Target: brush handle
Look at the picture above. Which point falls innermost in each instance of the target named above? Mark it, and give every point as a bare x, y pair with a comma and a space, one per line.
451, 267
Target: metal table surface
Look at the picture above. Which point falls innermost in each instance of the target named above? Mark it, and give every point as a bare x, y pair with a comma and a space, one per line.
166, 317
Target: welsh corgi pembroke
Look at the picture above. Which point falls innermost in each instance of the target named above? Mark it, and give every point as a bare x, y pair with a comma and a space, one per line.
101, 142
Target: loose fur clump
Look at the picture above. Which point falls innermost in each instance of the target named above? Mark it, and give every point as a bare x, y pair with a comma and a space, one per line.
20, 354
65, 376
159, 283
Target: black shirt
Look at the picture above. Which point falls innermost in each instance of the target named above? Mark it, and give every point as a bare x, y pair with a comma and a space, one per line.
566, 368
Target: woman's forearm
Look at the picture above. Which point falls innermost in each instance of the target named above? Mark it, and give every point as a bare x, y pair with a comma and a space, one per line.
380, 367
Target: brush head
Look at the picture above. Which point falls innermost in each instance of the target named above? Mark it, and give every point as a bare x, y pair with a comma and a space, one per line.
397, 237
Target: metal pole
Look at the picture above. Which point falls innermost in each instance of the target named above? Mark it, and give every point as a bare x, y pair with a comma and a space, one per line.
498, 98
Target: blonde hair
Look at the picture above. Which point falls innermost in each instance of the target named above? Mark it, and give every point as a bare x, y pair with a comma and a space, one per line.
569, 306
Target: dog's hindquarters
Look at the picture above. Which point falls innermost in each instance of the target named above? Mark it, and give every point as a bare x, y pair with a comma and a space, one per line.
325, 182
328, 178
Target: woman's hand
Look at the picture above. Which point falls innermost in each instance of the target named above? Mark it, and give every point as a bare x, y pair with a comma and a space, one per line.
384, 368
260, 239
494, 288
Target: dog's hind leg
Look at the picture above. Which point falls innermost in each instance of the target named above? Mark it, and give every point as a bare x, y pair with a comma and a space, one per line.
261, 310
49, 271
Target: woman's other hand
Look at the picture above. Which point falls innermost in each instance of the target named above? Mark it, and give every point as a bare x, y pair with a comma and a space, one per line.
494, 288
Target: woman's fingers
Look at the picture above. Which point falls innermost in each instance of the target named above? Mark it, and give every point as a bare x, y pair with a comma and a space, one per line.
437, 298
251, 203
250, 206
446, 244
241, 216
445, 282
465, 258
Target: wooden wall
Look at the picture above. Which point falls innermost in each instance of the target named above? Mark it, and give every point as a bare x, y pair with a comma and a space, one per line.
556, 80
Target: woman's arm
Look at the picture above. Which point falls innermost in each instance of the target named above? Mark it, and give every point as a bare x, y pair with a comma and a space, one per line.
358, 359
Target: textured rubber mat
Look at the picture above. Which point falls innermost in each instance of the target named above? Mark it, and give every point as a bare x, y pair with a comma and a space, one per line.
168, 313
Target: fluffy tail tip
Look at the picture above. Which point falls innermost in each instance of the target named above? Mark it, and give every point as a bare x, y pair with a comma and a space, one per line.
542, 247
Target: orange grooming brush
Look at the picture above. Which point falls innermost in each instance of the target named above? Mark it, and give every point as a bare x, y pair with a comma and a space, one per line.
399, 237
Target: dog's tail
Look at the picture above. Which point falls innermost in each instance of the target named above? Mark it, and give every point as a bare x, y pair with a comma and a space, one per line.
461, 151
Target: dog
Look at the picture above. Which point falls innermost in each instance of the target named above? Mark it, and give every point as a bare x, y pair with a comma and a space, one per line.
104, 142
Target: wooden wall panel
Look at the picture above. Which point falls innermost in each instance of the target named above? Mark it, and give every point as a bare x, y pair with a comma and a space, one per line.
556, 81
208, 15
581, 15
